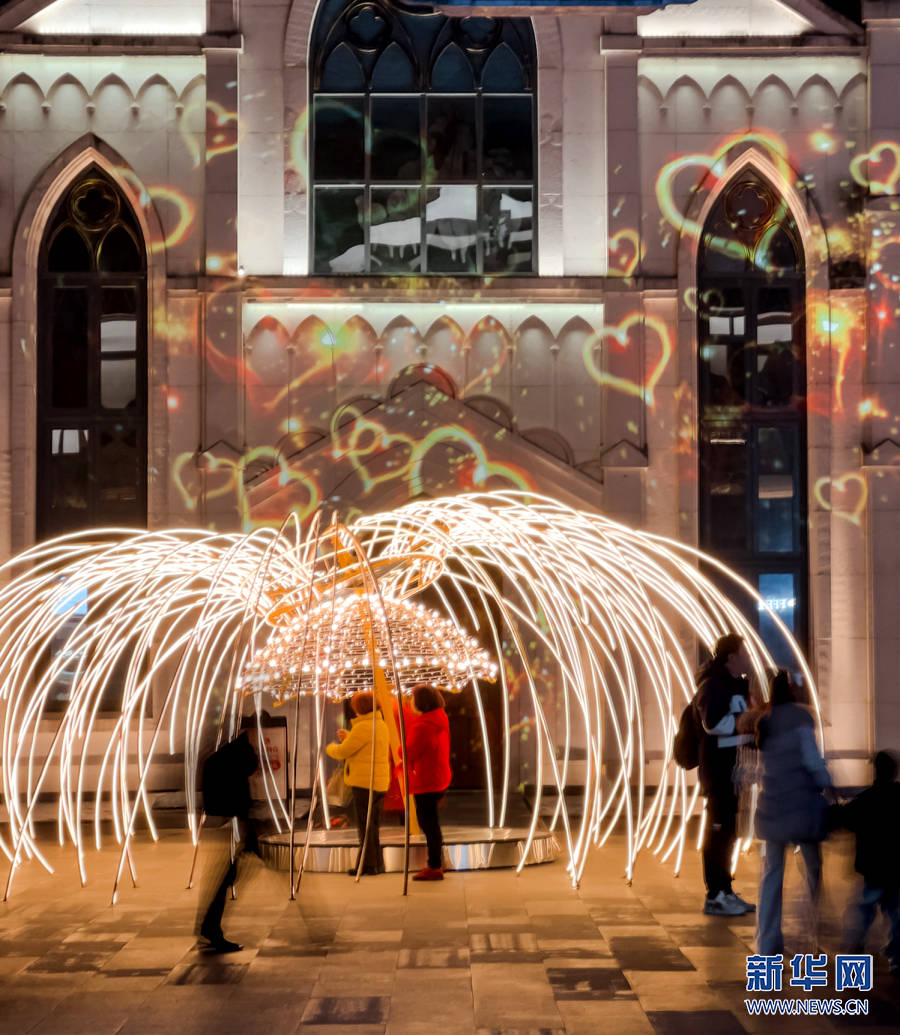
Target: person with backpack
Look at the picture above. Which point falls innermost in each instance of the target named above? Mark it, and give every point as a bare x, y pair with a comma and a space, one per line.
721, 702
226, 796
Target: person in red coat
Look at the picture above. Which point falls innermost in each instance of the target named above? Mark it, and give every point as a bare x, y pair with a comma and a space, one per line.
428, 759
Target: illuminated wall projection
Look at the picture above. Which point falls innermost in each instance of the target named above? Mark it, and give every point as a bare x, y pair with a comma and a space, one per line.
197, 624
328, 400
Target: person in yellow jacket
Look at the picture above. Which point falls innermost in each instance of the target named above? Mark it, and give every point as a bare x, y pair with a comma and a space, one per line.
354, 746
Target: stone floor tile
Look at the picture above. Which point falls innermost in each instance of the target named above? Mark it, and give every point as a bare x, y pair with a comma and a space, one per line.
20, 1012
650, 953
331, 1029
689, 1022
346, 1010
569, 983
332, 982
591, 1018
432, 957
668, 990
11, 965
208, 974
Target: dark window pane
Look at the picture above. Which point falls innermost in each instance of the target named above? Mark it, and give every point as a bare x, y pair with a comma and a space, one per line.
723, 256
778, 462
394, 71
68, 488
503, 71
396, 230
396, 141
506, 219
119, 252
342, 72
507, 138
725, 459
452, 72
775, 251
339, 141
451, 139
723, 329
118, 471
778, 380
69, 351
69, 252
118, 301
340, 246
451, 222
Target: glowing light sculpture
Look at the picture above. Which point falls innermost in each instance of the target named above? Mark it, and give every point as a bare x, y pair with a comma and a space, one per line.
613, 614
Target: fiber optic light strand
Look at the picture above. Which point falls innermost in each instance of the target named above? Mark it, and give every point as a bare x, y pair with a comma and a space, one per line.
186, 623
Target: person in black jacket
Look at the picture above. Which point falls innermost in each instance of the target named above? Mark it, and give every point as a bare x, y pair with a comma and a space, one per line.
226, 795
722, 700
874, 816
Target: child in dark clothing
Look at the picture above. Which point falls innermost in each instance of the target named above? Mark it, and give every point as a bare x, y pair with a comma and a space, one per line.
874, 816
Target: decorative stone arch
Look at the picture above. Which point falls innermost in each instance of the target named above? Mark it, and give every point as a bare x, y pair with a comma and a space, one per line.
548, 144
819, 357
31, 224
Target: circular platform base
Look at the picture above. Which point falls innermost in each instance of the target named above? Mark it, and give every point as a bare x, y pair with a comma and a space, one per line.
465, 848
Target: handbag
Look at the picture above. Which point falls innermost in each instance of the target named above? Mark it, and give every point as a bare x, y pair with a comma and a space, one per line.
337, 791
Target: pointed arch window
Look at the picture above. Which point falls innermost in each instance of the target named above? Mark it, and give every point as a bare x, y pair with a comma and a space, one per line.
92, 363
422, 141
752, 385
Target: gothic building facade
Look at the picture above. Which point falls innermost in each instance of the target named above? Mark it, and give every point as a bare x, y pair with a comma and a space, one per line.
261, 255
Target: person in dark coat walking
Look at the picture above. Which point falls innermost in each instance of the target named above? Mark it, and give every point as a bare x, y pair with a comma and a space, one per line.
226, 796
722, 698
791, 808
428, 761
874, 816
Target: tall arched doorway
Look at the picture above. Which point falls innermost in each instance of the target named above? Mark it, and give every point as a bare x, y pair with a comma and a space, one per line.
92, 362
752, 398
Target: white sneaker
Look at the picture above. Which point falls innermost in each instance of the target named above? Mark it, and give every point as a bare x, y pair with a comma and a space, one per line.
747, 907
722, 905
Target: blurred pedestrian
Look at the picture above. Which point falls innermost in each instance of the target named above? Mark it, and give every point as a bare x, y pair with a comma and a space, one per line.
874, 816
226, 797
367, 736
428, 760
792, 808
722, 698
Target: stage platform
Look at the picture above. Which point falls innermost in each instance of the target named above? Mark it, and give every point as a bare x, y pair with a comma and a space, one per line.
465, 848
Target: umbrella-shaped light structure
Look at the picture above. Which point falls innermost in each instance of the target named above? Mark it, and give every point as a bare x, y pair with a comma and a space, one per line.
596, 625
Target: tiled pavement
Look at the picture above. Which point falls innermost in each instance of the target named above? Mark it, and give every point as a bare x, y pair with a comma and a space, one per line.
479, 953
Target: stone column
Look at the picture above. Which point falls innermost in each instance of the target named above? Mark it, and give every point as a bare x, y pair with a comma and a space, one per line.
221, 345
621, 48
5, 429
882, 363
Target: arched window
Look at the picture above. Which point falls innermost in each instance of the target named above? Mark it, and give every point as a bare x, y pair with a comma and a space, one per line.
422, 141
752, 379
92, 363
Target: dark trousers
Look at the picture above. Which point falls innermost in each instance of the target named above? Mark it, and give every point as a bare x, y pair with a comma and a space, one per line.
222, 871
718, 840
427, 814
370, 848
